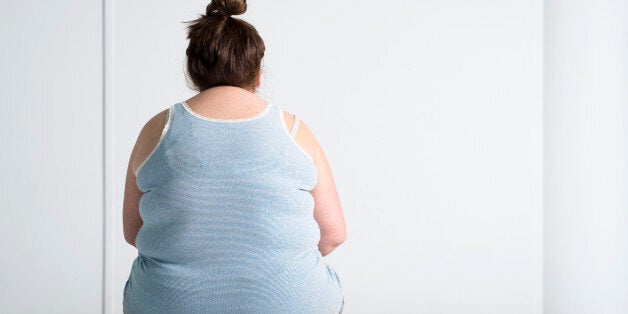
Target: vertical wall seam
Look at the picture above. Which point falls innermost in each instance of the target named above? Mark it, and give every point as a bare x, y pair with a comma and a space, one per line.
543, 142
109, 217
104, 159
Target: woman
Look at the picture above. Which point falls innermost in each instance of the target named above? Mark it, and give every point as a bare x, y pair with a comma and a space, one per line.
229, 199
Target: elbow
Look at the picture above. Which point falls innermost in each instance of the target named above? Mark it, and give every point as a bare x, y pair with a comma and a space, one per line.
131, 242
341, 239
327, 245
129, 239
335, 239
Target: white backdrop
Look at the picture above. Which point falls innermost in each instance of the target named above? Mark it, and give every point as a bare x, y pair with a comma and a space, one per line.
430, 113
431, 116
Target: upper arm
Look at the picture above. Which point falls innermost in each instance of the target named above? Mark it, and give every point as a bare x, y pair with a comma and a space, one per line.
146, 141
327, 209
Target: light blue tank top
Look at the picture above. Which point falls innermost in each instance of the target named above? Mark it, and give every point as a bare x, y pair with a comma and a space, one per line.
228, 223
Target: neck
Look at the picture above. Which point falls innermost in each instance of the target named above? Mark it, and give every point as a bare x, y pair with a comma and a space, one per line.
221, 89
227, 92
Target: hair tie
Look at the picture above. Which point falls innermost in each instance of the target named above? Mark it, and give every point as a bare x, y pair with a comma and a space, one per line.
219, 11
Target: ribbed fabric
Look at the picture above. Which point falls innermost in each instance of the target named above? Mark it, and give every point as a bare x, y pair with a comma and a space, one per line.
228, 222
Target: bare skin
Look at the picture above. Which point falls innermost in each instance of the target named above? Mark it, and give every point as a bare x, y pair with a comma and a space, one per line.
228, 102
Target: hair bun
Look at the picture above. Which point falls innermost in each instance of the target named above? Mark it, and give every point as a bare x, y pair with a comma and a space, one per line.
223, 50
226, 7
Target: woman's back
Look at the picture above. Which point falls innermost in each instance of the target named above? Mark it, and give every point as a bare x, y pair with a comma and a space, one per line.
228, 221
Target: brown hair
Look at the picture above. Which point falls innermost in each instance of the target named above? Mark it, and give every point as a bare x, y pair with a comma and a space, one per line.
223, 50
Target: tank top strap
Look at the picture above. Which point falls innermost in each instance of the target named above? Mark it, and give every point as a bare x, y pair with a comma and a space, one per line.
295, 126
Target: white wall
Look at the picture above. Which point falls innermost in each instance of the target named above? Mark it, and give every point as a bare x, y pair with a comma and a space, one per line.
430, 113
431, 116
51, 181
586, 154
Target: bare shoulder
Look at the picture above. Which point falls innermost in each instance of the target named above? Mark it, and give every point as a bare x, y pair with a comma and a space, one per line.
148, 139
